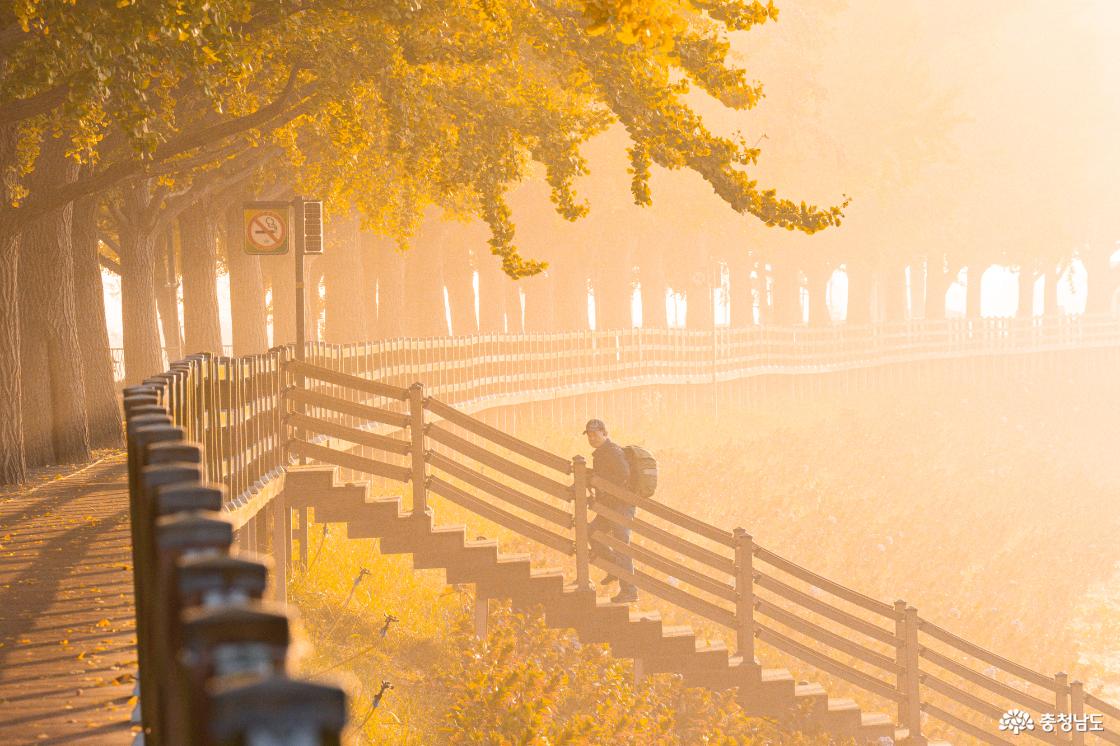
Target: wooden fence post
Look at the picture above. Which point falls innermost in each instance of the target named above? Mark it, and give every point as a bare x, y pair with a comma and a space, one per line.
579, 492
1061, 693
416, 428
281, 546
744, 599
1077, 711
480, 613
908, 681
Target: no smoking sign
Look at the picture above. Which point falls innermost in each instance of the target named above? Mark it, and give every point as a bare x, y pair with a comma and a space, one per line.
267, 228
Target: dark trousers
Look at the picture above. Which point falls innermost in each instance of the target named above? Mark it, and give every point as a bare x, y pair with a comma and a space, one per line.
622, 533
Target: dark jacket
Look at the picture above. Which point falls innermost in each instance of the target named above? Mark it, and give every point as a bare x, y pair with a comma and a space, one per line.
609, 462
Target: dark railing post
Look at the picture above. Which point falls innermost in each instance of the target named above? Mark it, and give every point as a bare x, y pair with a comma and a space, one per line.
744, 600
908, 683
416, 429
579, 495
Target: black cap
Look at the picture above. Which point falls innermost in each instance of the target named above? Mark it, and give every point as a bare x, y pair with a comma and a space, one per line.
594, 425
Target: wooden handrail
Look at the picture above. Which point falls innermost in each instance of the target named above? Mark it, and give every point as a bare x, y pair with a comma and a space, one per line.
820, 634
501, 517
507, 467
668, 540
998, 687
349, 460
662, 510
349, 434
825, 663
342, 406
667, 566
675, 596
800, 598
971, 648
1104, 707
964, 726
830, 586
539, 508
478, 427
338, 378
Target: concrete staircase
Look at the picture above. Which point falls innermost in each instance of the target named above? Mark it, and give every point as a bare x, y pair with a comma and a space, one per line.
630, 632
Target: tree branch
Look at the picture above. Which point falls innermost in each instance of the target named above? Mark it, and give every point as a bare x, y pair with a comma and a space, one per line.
109, 264
40, 103
273, 115
215, 181
106, 239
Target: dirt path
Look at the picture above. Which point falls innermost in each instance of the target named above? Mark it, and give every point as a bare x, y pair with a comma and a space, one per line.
67, 644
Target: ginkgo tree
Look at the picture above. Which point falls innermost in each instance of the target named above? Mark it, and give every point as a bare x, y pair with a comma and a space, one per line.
389, 107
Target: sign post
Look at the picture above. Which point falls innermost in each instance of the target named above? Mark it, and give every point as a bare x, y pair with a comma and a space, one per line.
272, 228
301, 301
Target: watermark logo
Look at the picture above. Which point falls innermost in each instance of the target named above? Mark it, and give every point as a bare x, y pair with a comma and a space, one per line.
1016, 721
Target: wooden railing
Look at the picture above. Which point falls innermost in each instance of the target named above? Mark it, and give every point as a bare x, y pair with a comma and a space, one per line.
468, 367
212, 656
886, 651
350, 405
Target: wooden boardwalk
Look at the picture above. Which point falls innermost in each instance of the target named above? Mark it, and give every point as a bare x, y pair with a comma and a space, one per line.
67, 643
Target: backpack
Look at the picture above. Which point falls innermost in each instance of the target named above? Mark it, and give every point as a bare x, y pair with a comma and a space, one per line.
643, 470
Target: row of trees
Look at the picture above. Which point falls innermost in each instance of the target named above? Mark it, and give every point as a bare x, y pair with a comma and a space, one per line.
141, 125
373, 291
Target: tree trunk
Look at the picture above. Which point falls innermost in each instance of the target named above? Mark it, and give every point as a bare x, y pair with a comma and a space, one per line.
972, 302
760, 292
279, 272
571, 290
93, 335
390, 290
938, 280
859, 293
316, 304
345, 285
13, 463
246, 285
540, 302
198, 244
459, 277
698, 314
818, 274
613, 286
740, 263
142, 354
1101, 279
1025, 309
1050, 291
651, 276
515, 315
787, 291
918, 271
52, 367
424, 303
371, 276
167, 295
491, 294
892, 280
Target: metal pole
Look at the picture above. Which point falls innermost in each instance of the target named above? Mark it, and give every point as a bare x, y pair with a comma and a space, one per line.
301, 302
297, 241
